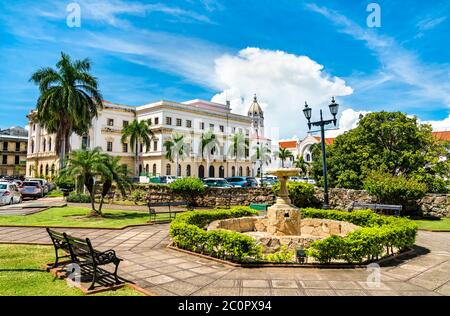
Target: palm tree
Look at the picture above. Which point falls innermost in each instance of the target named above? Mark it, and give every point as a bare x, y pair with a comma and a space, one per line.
284, 154
175, 147
238, 147
114, 174
208, 144
69, 100
87, 165
301, 164
137, 133
262, 154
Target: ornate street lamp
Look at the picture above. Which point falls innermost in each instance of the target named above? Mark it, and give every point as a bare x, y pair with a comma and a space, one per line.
307, 111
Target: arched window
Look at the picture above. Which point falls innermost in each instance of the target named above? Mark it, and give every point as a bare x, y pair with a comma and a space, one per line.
168, 169
240, 171
140, 169
147, 169
44, 143
32, 146
52, 169
50, 144
41, 170
233, 171
46, 170
221, 172
154, 169
211, 172
201, 172
179, 171
188, 170
308, 157
30, 170
248, 171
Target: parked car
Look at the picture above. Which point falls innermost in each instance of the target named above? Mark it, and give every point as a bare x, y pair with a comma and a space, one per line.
171, 179
43, 183
9, 193
243, 182
216, 183
32, 189
308, 180
294, 179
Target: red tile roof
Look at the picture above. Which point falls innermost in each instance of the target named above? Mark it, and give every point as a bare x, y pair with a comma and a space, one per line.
328, 141
288, 144
442, 135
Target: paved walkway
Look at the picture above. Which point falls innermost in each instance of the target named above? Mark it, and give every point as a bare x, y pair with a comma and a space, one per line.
167, 272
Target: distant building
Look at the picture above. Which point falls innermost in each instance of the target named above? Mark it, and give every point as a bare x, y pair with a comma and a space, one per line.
191, 119
13, 151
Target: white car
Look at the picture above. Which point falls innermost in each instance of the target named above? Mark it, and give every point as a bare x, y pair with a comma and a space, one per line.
171, 179
9, 193
42, 182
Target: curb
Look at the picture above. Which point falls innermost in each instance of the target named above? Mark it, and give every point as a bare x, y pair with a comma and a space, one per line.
293, 265
79, 227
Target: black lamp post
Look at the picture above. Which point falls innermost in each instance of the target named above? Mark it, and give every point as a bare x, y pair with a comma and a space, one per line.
322, 123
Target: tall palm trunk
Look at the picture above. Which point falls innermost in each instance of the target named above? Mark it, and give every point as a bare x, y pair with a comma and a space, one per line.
62, 153
136, 159
178, 166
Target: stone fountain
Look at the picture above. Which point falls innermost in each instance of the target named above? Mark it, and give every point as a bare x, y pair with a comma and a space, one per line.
283, 224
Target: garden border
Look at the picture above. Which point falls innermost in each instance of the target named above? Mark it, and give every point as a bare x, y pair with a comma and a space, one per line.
294, 265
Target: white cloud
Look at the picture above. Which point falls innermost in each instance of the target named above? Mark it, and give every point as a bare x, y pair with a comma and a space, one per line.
430, 23
443, 125
282, 82
348, 120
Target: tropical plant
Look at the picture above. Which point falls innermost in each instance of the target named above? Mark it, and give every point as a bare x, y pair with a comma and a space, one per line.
175, 147
238, 147
301, 164
189, 189
137, 133
87, 165
284, 154
208, 144
69, 100
262, 155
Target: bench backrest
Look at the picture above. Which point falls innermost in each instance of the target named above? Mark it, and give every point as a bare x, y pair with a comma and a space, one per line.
79, 248
156, 204
377, 206
58, 239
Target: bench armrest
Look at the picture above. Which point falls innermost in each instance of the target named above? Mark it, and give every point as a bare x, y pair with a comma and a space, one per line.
106, 256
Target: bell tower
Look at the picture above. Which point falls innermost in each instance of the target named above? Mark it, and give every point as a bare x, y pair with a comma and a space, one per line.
257, 115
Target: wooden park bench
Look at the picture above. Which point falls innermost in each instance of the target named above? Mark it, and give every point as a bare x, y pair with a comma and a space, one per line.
378, 207
83, 254
172, 213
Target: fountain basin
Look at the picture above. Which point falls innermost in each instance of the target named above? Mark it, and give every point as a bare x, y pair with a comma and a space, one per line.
309, 230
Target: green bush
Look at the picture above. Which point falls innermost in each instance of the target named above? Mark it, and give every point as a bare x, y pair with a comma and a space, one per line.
378, 236
188, 232
394, 189
188, 188
300, 193
283, 255
138, 195
79, 198
65, 183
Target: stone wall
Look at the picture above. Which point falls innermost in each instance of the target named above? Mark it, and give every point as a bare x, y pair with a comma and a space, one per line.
215, 197
437, 205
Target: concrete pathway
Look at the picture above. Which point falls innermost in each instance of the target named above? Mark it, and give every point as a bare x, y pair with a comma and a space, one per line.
167, 272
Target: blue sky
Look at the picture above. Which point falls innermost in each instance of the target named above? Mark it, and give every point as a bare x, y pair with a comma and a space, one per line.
285, 51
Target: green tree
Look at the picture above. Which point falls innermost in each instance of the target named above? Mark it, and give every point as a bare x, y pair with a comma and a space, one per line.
87, 166
137, 133
69, 100
390, 142
301, 164
175, 148
284, 154
238, 147
262, 154
208, 145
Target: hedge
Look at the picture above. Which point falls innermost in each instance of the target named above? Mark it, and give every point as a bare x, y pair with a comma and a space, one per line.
79, 198
378, 236
300, 193
188, 232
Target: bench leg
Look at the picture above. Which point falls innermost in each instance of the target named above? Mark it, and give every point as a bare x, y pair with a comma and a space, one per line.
56, 260
115, 273
94, 278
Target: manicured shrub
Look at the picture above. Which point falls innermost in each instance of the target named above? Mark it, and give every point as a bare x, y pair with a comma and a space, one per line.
378, 236
188, 188
300, 193
394, 189
138, 195
65, 183
283, 255
188, 232
79, 198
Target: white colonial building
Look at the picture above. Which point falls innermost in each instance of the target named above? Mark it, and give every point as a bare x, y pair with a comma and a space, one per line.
191, 119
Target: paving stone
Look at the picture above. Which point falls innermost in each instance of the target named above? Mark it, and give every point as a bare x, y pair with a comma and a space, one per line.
211, 291
255, 283
167, 269
350, 293
256, 292
287, 292
200, 280
315, 292
315, 284
160, 279
345, 285
444, 290
180, 288
145, 274
383, 293
224, 283
183, 274
376, 286
287, 284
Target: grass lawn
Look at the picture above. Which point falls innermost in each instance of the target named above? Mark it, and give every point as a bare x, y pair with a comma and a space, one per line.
434, 224
22, 274
55, 193
76, 217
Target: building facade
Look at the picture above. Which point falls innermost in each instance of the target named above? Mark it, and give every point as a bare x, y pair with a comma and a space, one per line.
191, 119
13, 147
